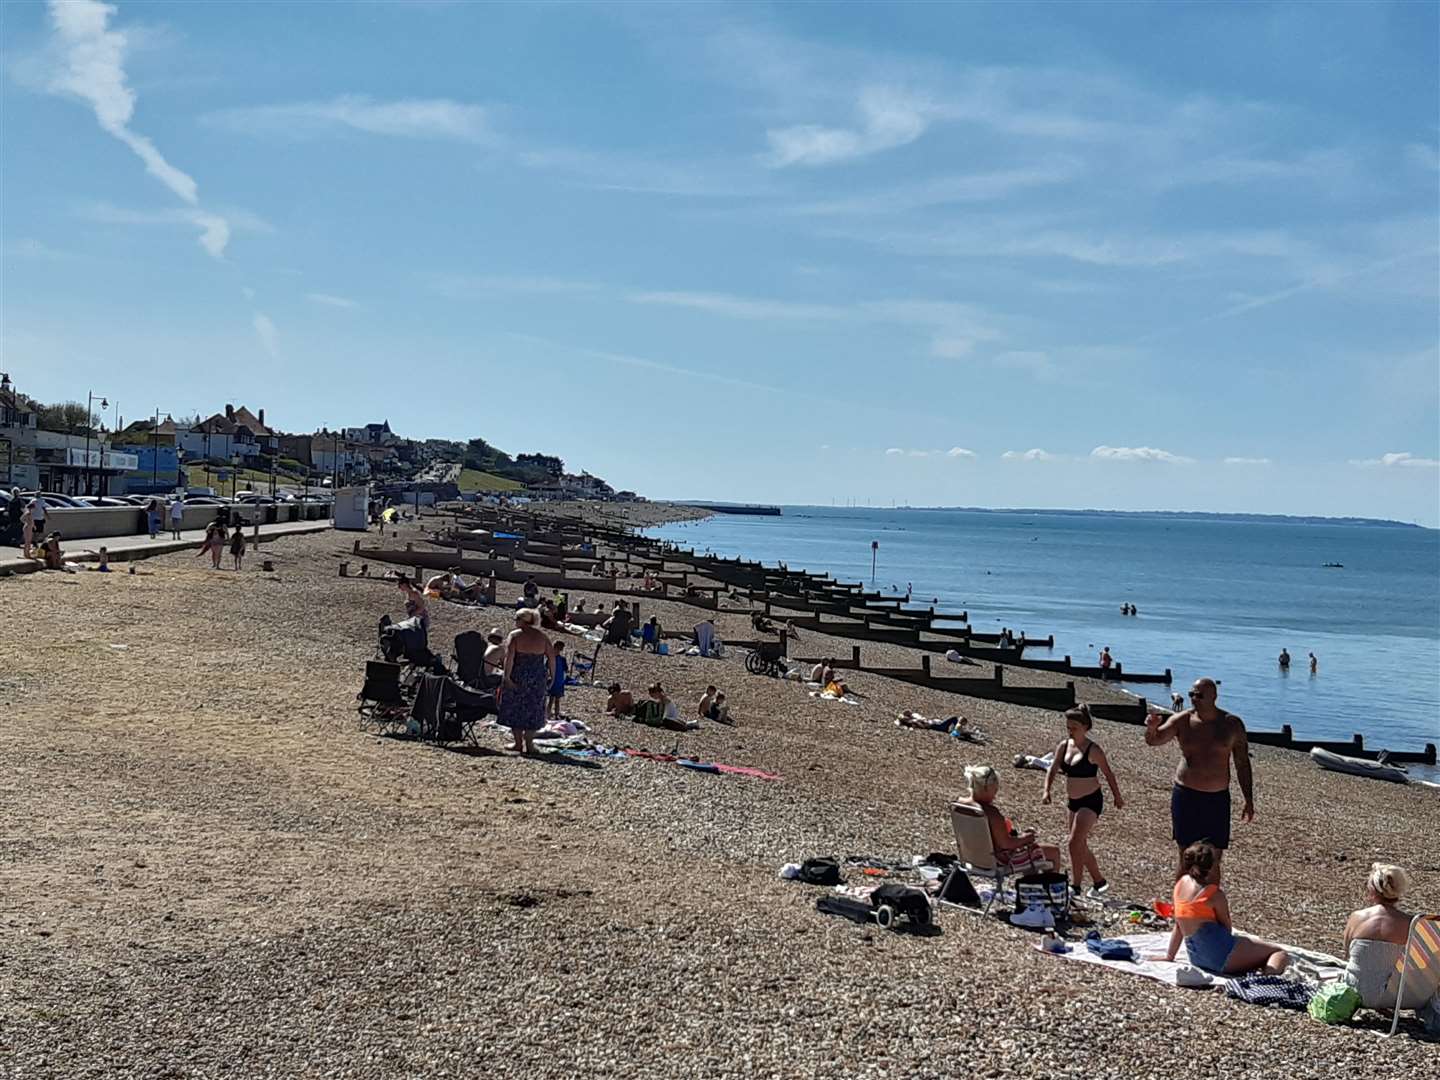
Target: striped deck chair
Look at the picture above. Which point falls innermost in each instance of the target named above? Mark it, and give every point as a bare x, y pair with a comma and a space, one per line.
1422, 953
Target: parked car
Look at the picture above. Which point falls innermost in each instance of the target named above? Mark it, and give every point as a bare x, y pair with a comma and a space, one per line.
105, 500
205, 500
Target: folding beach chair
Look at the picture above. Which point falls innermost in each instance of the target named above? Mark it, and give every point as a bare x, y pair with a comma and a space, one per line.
469, 659
1422, 953
977, 852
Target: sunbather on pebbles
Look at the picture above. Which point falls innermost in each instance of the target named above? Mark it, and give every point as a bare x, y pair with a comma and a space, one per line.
1082, 762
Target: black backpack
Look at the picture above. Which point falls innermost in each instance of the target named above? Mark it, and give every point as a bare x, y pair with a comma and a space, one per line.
819, 872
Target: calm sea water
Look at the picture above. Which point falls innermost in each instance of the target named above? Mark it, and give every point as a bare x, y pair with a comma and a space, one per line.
1215, 598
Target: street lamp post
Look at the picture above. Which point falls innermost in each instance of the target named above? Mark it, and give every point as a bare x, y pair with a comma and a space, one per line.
89, 419
155, 452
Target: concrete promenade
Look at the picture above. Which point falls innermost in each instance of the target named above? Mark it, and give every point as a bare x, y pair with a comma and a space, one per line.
124, 548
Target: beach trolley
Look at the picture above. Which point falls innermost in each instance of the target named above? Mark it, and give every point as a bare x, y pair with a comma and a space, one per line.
767, 658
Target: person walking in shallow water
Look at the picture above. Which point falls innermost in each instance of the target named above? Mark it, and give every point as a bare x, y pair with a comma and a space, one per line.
1314, 665
1209, 739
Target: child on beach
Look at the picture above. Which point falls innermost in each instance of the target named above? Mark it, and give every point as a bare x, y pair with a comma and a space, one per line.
237, 547
1082, 762
27, 530
557, 685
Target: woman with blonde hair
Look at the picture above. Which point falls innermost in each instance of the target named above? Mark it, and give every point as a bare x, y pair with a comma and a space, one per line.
529, 671
1014, 850
1375, 938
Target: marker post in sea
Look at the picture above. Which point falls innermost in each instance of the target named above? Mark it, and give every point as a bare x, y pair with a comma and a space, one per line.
874, 550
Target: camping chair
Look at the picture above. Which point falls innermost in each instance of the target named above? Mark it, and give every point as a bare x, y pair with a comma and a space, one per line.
1422, 952
469, 659
382, 700
446, 712
587, 668
977, 851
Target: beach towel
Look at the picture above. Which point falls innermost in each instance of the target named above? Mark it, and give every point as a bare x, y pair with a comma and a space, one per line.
826, 695
1310, 967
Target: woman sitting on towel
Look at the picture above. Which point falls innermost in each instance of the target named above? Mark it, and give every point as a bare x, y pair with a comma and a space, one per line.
1375, 938
1202, 921
1014, 850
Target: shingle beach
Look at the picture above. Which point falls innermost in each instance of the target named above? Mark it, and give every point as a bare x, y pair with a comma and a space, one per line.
210, 870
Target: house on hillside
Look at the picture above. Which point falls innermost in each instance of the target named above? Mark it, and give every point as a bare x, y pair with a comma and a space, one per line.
328, 453
372, 434
233, 433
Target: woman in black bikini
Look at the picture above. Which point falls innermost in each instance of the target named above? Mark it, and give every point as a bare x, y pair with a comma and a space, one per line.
1082, 761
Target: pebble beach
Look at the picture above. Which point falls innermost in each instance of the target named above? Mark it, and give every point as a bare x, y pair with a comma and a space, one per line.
211, 870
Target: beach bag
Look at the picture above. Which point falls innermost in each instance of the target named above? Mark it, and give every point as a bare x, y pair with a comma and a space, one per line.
957, 889
819, 872
1334, 1003
1049, 890
1270, 990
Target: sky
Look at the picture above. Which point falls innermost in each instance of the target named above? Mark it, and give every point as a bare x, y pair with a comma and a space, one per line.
1130, 256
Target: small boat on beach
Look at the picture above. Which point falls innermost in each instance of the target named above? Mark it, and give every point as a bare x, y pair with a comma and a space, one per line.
1375, 770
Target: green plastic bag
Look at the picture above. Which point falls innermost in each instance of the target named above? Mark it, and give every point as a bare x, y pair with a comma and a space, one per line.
1334, 1003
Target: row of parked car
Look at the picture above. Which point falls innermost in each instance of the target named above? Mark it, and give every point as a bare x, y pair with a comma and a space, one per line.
55, 501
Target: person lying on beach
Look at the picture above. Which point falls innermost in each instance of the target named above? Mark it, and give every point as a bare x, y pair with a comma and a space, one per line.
957, 726
1014, 850
620, 702
1082, 761
1375, 939
761, 623
1202, 921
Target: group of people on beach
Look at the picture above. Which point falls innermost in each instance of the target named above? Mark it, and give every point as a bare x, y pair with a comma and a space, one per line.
1210, 739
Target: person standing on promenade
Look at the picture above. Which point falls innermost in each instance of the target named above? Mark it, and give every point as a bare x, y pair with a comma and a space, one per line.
27, 530
177, 515
1209, 738
37, 515
152, 517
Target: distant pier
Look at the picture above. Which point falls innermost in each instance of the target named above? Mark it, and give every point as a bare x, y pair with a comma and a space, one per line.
736, 508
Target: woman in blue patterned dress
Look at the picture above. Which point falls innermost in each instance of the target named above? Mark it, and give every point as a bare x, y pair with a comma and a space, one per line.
529, 670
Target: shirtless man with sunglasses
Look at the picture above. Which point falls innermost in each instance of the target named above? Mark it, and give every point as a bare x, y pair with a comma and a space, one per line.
1209, 738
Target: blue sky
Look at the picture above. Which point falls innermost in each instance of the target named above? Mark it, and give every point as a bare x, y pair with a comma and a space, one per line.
1129, 256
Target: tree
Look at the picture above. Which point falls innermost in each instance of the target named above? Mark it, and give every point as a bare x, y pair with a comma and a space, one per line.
67, 418
545, 464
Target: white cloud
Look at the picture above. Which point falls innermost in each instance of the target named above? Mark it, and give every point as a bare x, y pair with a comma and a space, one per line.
967, 187
952, 348
1033, 454
739, 307
409, 118
331, 301
887, 118
894, 451
1399, 459
215, 230
960, 453
265, 331
1248, 461
643, 363
468, 286
1137, 453
93, 70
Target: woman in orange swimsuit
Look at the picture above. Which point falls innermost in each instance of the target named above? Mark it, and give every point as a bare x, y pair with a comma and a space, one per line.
1202, 921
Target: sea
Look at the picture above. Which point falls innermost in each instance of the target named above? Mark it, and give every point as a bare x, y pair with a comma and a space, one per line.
1215, 596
